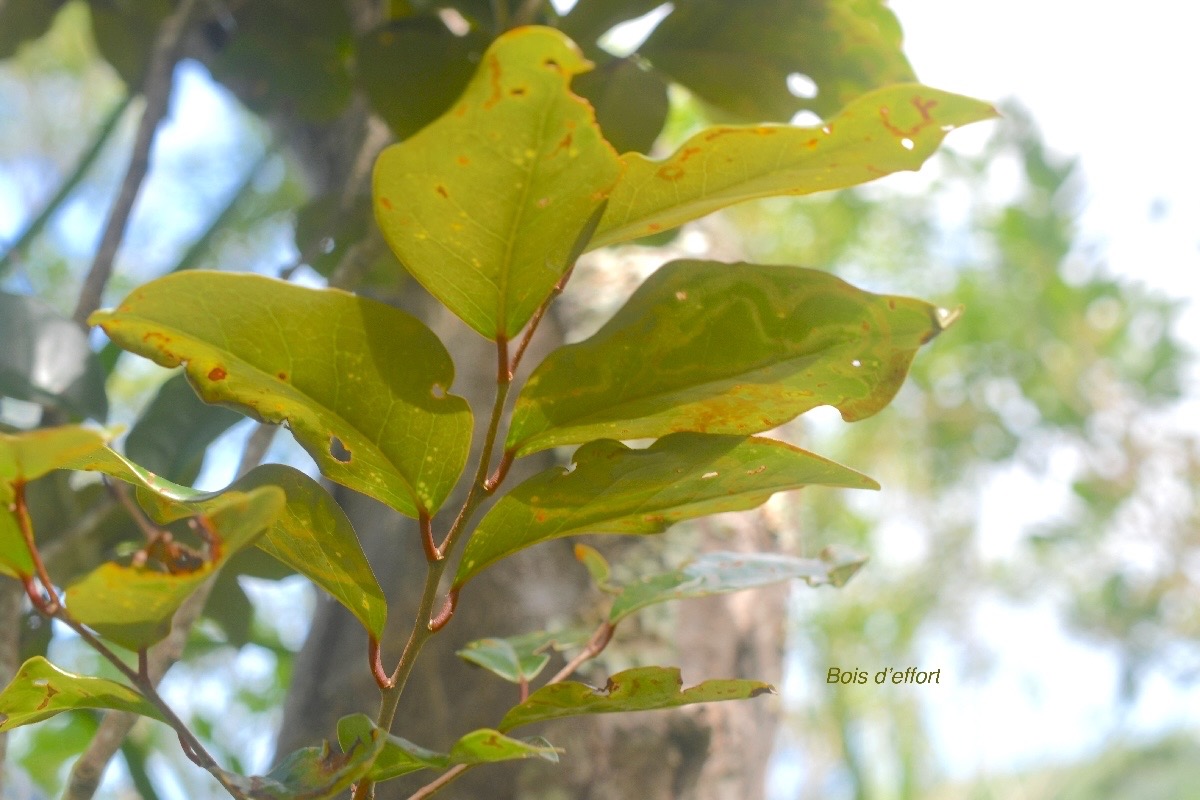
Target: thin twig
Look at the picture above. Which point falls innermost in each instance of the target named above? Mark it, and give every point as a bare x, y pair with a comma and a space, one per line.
17, 249
595, 646
157, 91
439, 783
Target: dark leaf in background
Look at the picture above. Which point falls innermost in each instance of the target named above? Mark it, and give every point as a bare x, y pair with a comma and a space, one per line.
175, 430
24, 20
743, 57
412, 69
630, 101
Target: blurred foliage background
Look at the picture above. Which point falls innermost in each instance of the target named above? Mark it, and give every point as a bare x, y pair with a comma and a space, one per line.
1038, 476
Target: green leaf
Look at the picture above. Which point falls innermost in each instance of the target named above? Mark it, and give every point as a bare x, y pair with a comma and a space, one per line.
400, 756
23, 458
640, 689
314, 536
311, 534
174, 431
46, 359
316, 773
41, 690
724, 348
483, 205
630, 100
518, 659
724, 165
412, 69
291, 57
722, 573
133, 606
739, 56
361, 385
616, 489
124, 34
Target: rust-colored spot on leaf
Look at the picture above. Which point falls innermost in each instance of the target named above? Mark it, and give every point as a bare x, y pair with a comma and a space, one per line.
688, 152
281, 375
497, 92
564, 143
463, 161
891, 304
517, 91
670, 172
383, 201
923, 107
217, 374
442, 191
654, 227
50, 692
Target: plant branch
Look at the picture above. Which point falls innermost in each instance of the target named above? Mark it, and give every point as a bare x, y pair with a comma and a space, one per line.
439, 783
594, 647
157, 91
16, 250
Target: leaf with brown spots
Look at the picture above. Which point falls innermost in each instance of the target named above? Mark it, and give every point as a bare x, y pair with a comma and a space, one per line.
483, 205
400, 756
133, 605
611, 488
724, 348
41, 690
640, 689
362, 386
891, 129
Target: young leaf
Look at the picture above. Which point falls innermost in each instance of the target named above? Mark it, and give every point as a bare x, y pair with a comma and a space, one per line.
133, 606
316, 773
518, 659
722, 573
639, 689
724, 348
482, 206
597, 566
400, 756
46, 359
24, 457
312, 534
616, 489
41, 690
361, 385
888, 130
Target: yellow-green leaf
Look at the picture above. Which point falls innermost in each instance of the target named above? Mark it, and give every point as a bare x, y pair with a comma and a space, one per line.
133, 606
362, 386
724, 348
612, 488
483, 205
316, 773
41, 690
888, 130
640, 689
24, 457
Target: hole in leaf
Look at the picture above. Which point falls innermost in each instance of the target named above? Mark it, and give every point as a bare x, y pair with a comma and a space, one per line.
907, 144
856, 363
338, 450
708, 475
438, 391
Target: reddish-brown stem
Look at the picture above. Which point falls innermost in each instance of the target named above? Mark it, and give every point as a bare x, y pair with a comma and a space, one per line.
500, 474
595, 646
376, 659
536, 320
504, 373
443, 616
523, 689
51, 605
432, 553
143, 665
